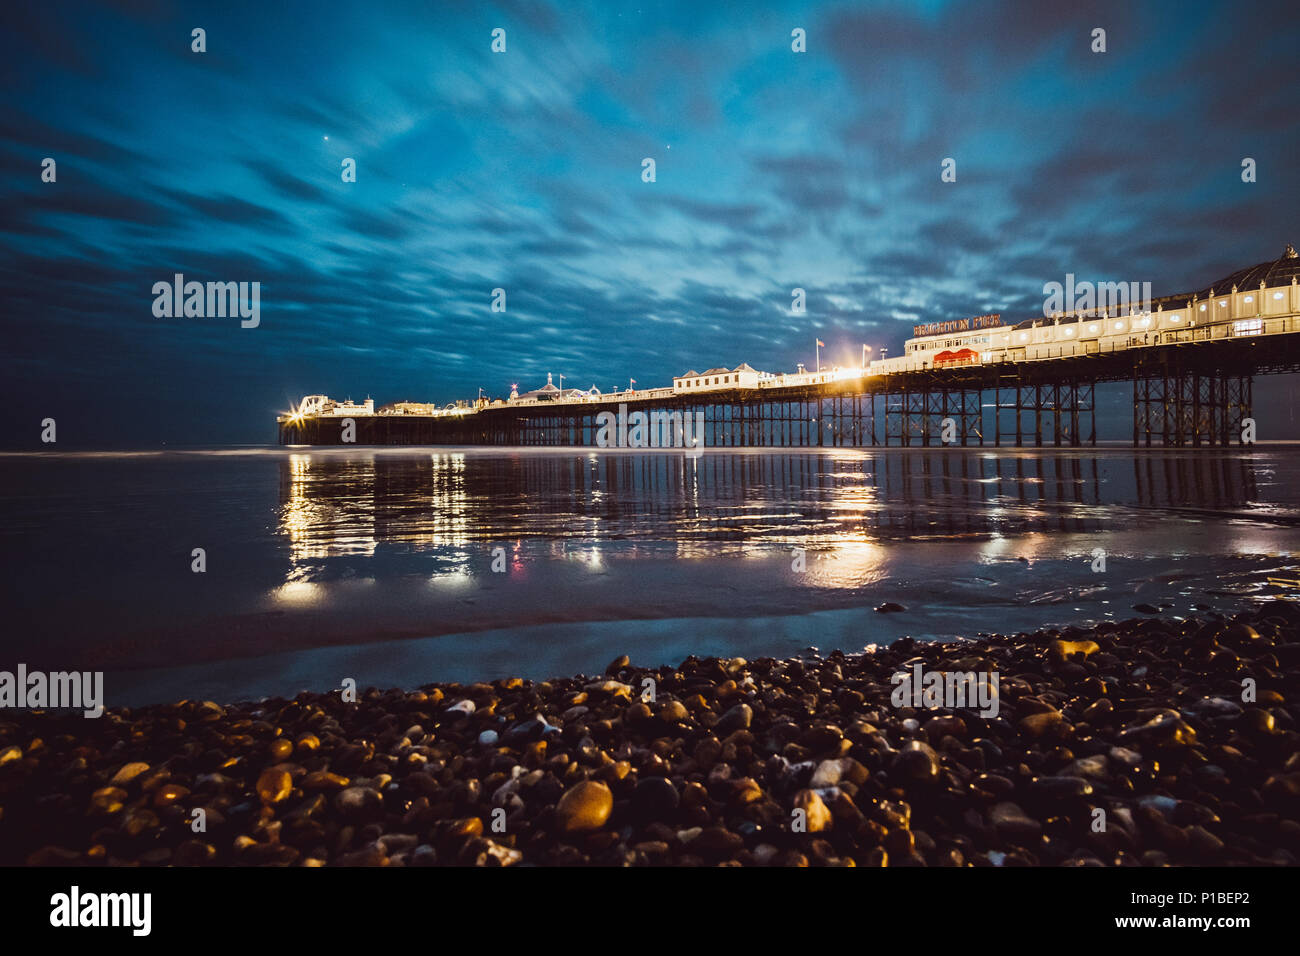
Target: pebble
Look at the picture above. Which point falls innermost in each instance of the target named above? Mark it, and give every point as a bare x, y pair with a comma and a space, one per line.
827, 774
716, 842
274, 785
674, 712
358, 804
610, 688
1047, 724
1090, 768
817, 816
584, 806
1165, 728
107, 800
1013, 822
1203, 842
324, 780
1130, 759
128, 773
1059, 788
736, 718
819, 739
1164, 804
917, 761
1067, 648
1213, 707
765, 853
1139, 717
527, 731
655, 798
194, 853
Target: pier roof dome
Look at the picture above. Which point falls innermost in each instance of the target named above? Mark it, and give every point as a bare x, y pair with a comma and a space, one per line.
1277, 272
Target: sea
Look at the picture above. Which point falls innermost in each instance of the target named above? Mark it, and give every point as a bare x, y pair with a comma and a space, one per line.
240, 573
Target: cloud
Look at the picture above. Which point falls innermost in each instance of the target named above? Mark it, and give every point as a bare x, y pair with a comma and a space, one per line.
523, 171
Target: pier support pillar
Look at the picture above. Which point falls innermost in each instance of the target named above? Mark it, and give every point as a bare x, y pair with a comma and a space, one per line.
1189, 405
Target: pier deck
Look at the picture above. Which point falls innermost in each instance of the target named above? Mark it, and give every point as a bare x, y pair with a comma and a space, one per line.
1183, 394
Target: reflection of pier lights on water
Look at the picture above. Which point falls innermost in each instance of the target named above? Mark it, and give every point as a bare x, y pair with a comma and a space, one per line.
428, 508
1221, 481
343, 506
295, 518
305, 519
335, 506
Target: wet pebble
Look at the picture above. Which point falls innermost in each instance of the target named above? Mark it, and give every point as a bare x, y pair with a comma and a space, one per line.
584, 806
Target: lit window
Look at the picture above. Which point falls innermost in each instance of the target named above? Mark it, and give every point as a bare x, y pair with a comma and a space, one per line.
1143, 323
1248, 327
1277, 295
1250, 298
1024, 336
1202, 308
1093, 327
1118, 326
1175, 318
1069, 332
1222, 303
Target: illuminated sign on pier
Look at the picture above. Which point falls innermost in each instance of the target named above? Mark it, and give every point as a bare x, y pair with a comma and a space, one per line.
957, 325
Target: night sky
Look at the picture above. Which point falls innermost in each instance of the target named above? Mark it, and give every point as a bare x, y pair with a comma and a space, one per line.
523, 170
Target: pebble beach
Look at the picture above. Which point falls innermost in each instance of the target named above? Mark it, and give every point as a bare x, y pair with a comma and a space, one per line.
1144, 742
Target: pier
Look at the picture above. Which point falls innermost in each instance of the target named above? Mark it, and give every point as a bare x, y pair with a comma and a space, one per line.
1184, 393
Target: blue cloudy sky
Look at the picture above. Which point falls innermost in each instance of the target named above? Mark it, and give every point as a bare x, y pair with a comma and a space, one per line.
522, 170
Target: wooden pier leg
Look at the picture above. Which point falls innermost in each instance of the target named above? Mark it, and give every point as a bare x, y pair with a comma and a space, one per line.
1056, 414
1020, 401
1074, 413
1092, 415
1038, 415
1135, 405
997, 412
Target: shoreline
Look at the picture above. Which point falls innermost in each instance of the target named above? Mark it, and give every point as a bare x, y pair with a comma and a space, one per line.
575, 614
1123, 743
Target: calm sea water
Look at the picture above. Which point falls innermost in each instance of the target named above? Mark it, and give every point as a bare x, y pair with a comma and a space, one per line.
397, 567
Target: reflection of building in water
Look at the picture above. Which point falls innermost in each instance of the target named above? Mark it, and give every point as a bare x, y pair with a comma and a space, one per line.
421, 501
320, 516
1194, 481
334, 506
350, 505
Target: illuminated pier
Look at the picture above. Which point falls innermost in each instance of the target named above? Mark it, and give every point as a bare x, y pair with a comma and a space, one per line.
1191, 360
